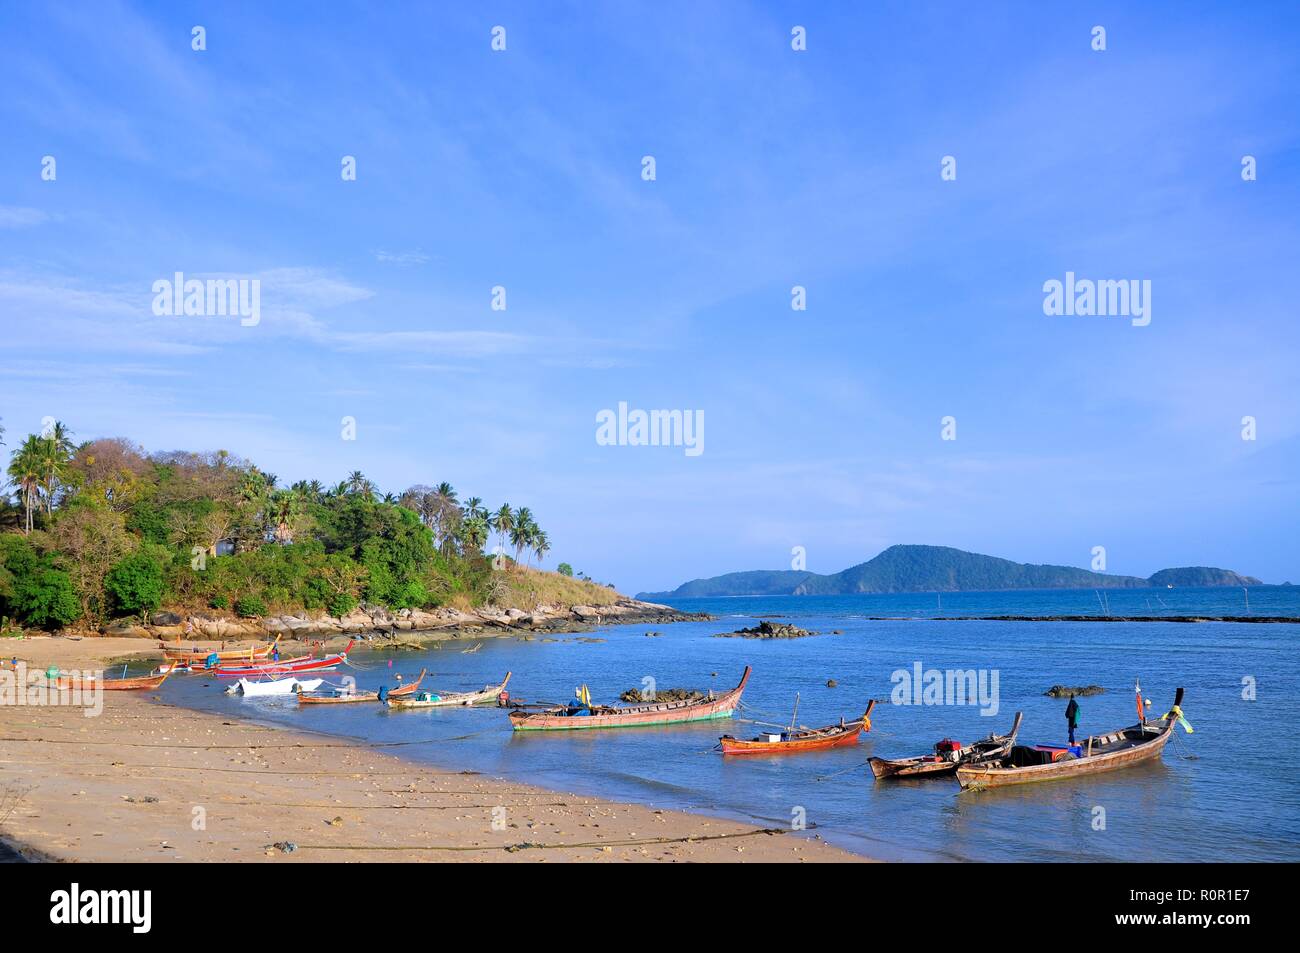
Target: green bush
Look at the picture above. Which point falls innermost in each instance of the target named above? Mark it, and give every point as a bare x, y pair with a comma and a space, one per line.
564, 569
46, 599
219, 602
340, 604
135, 585
246, 607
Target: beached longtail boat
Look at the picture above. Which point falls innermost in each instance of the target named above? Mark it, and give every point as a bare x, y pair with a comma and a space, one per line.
197, 656
563, 718
303, 663
346, 695
137, 683
336, 696
803, 739
1119, 749
408, 689
948, 756
432, 699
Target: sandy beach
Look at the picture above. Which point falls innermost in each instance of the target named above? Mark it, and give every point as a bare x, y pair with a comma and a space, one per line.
145, 781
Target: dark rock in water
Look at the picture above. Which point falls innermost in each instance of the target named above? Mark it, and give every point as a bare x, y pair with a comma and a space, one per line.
831, 683
1065, 691
837, 632
767, 630
636, 697
164, 618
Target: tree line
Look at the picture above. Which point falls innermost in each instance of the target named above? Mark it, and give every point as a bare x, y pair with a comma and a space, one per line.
101, 530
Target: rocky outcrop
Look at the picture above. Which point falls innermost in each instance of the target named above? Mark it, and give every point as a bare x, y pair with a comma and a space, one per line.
1065, 691
767, 630
369, 621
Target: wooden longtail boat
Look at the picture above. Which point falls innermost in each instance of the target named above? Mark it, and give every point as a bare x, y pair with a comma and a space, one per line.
431, 699
408, 689
1119, 749
947, 760
804, 739
303, 663
112, 684
196, 656
563, 718
339, 696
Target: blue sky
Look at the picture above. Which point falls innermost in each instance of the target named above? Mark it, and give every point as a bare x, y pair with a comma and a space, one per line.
775, 168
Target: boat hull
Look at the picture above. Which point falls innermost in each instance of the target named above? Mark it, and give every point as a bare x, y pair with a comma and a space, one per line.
140, 683
1149, 743
351, 698
487, 696
928, 766
636, 716
280, 686
842, 739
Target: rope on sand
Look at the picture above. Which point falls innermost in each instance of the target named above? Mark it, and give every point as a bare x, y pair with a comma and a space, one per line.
529, 845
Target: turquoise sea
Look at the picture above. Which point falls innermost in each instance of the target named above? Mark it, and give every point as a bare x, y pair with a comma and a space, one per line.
1225, 792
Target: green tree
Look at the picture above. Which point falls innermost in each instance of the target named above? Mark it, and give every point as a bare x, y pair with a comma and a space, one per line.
25, 471
47, 599
564, 569
135, 585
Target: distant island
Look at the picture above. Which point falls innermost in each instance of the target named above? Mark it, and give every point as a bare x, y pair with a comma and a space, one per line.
938, 569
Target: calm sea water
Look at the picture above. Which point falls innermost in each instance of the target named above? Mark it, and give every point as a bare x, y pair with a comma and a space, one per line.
1226, 792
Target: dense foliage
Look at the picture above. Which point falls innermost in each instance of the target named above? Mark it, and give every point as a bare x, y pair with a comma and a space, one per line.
102, 530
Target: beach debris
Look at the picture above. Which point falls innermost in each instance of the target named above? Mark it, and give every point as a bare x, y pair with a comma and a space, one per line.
147, 799
1065, 691
768, 630
337, 822
283, 846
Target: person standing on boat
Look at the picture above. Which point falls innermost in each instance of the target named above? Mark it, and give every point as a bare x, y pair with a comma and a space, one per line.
1072, 716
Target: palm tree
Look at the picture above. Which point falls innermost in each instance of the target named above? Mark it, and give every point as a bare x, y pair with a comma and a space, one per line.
357, 483
522, 533
285, 507
503, 521
474, 533
541, 545
57, 449
474, 507
25, 471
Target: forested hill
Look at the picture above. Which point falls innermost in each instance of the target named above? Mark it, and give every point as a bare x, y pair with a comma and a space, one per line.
938, 569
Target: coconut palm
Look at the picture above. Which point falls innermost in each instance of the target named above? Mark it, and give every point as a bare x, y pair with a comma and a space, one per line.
57, 449
541, 545
503, 521
25, 469
285, 506
474, 533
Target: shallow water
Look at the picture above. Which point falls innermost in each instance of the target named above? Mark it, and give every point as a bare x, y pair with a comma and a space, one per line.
1226, 792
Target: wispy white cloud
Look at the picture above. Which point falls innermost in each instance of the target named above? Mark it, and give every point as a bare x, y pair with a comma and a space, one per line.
17, 216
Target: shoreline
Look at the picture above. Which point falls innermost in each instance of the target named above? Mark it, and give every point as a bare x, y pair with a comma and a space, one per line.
131, 784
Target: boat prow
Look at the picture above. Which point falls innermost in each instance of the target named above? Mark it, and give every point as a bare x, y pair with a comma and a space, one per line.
947, 759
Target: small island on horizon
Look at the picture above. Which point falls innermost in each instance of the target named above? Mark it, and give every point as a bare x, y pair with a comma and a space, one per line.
915, 568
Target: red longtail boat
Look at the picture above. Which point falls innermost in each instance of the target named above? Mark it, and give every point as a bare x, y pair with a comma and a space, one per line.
303, 663
561, 718
197, 657
803, 739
